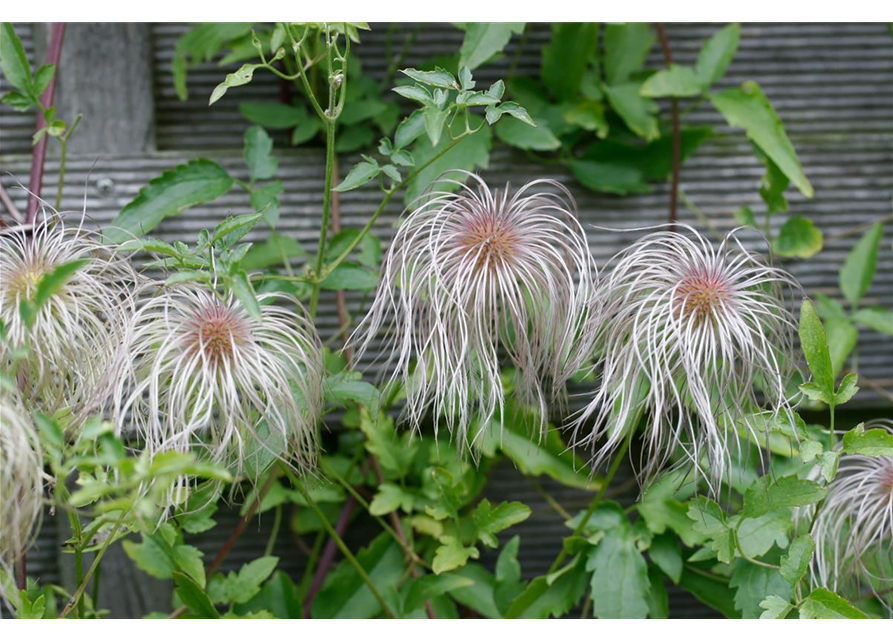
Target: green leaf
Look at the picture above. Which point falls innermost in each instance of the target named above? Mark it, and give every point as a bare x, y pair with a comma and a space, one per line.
354, 138
664, 552
194, 597
619, 587
279, 596
550, 457
490, 521
160, 558
677, 81
795, 564
552, 595
272, 252
51, 283
391, 497
362, 173
764, 495
469, 154
753, 584
435, 118
875, 318
757, 535
775, 608
478, 596
243, 586
716, 55
523, 136
13, 61
494, 113
626, 49
238, 78
234, 228
273, 115
305, 131
168, 195
265, 200
345, 595
243, 290
431, 586
589, 116
799, 238
452, 554
710, 520
621, 168
712, 592
815, 348
824, 604
638, 113
874, 442
662, 511
262, 165
566, 57
350, 276
749, 109
842, 337
858, 269
483, 40
409, 129
508, 584
437, 78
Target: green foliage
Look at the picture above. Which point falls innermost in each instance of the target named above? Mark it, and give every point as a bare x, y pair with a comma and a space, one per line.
168, 195
861, 263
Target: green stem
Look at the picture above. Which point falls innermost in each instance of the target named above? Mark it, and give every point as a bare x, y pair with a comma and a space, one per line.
95, 594
409, 551
598, 498
832, 439
277, 522
311, 563
384, 203
326, 211
348, 555
76, 598
62, 162
79, 577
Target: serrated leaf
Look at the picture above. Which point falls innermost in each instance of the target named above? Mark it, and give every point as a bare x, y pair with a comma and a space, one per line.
489, 521
273, 115
362, 173
243, 290
775, 608
241, 587
431, 586
753, 584
262, 165
409, 129
874, 442
543, 598
435, 118
824, 604
168, 195
796, 562
437, 78
452, 554
619, 586
764, 495
815, 348
194, 597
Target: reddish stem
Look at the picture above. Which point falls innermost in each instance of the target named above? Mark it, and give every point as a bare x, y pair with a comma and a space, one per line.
38, 157
240, 528
677, 135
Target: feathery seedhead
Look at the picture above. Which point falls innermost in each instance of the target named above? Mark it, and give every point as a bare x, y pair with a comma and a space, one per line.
469, 273
21, 485
203, 375
687, 331
853, 530
76, 333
